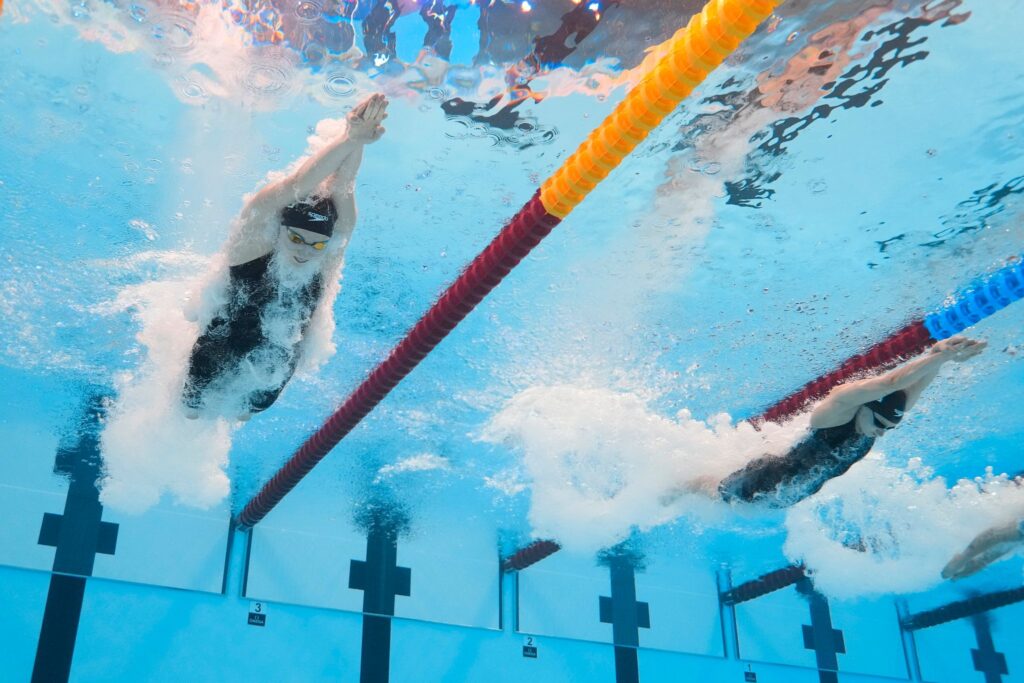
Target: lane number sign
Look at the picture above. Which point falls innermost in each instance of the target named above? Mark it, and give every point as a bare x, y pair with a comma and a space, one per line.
257, 614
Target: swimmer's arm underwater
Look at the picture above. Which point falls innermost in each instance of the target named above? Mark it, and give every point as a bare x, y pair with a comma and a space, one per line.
986, 548
255, 231
364, 126
841, 405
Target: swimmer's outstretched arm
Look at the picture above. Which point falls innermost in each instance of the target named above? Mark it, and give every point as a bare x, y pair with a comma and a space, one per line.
254, 232
364, 127
841, 405
986, 548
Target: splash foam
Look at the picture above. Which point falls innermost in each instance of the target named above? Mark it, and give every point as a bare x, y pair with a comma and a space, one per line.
602, 463
149, 447
885, 529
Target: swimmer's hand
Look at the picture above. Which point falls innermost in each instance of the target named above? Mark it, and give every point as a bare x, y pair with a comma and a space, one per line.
959, 349
364, 122
985, 549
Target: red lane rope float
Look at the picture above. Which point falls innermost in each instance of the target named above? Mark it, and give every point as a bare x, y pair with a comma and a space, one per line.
908, 341
529, 555
979, 300
519, 236
764, 584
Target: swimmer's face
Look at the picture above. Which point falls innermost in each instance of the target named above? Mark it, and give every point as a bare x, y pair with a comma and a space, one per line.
870, 423
302, 246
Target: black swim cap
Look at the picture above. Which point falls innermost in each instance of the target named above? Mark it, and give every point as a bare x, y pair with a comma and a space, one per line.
890, 406
318, 216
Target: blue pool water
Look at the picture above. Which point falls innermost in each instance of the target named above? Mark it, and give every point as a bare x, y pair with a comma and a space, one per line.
850, 168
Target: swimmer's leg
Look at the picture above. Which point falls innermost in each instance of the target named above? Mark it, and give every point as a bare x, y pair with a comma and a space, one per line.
211, 358
784, 480
261, 400
769, 477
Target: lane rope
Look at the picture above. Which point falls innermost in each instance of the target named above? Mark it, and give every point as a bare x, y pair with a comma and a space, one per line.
692, 53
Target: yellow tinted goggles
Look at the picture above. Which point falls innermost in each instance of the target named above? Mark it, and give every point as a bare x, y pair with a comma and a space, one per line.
296, 238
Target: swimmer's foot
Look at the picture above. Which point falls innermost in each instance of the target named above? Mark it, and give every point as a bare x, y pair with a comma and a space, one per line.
244, 417
191, 413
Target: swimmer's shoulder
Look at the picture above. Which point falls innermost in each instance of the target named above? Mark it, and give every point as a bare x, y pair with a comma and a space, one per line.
243, 254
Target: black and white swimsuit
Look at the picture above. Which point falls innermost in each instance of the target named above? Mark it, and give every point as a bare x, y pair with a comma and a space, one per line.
783, 480
240, 333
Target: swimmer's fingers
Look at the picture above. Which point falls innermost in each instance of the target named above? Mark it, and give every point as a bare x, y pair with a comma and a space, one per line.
969, 349
956, 343
359, 111
960, 568
963, 565
373, 103
974, 349
959, 348
377, 110
981, 552
953, 567
369, 113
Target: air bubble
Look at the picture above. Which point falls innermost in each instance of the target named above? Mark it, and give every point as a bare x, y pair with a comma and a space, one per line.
193, 90
308, 11
338, 85
266, 79
177, 31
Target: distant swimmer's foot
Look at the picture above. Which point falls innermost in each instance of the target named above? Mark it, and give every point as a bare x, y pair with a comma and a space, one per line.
244, 417
191, 413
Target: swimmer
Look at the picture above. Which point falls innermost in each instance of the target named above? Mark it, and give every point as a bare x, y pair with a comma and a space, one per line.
844, 427
987, 547
287, 245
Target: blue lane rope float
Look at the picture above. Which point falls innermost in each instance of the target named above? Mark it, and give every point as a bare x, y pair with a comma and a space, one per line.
975, 302
994, 293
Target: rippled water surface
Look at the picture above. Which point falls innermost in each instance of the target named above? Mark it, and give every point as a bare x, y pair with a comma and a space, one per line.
850, 167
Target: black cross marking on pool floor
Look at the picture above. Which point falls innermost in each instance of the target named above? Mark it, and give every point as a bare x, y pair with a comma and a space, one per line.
827, 642
78, 535
986, 659
381, 580
625, 614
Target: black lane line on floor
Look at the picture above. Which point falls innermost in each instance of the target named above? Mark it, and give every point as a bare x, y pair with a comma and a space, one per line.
627, 669
827, 642
381, 580
60, 629
625, 614
78, 536
375, 663
987, 659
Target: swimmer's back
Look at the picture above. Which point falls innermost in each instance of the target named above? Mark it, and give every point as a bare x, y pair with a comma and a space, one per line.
783, 480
